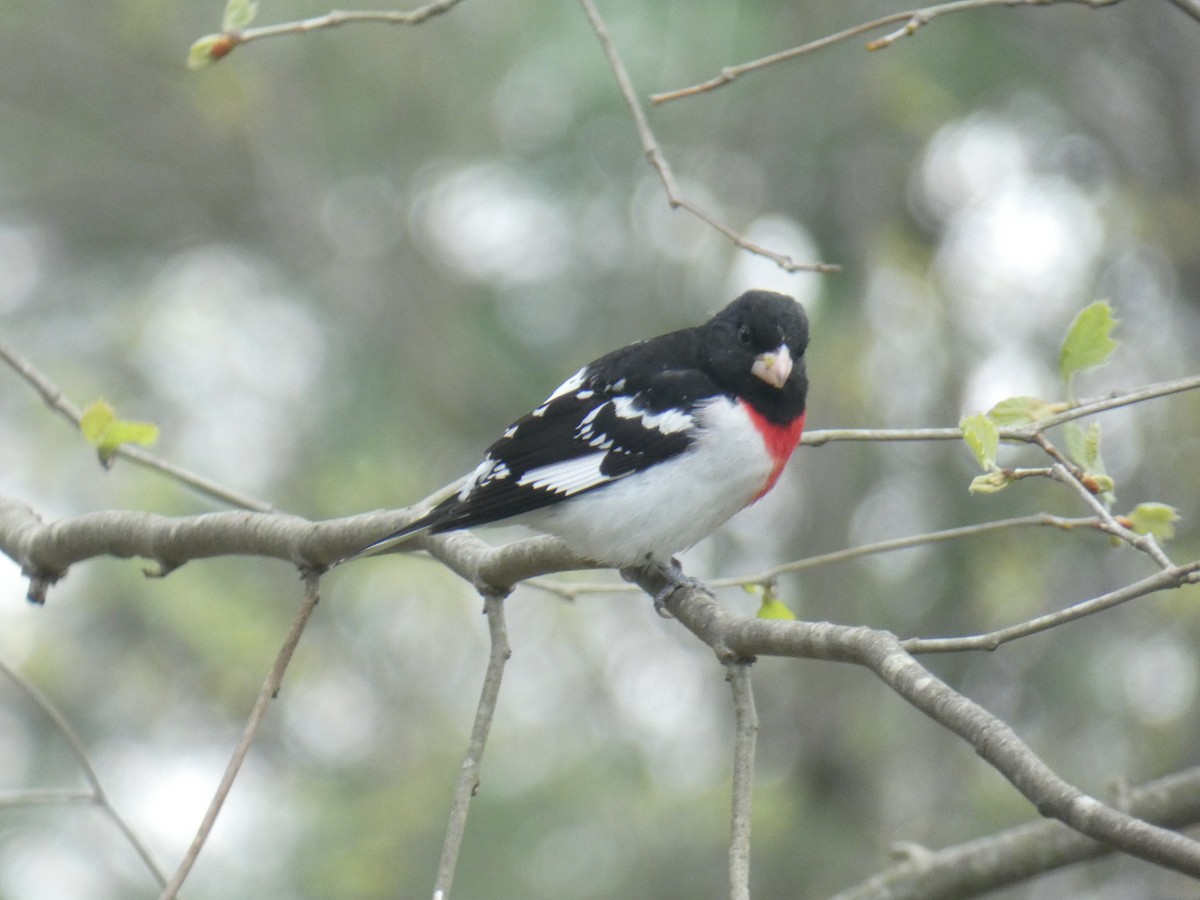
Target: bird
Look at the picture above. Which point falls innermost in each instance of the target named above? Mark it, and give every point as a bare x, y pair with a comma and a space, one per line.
647, 450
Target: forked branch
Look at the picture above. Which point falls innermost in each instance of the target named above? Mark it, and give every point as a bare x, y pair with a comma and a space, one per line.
994, 741
269, 691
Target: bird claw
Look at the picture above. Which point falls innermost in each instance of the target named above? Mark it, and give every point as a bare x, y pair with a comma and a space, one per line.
660, 601
672, 572
676, 580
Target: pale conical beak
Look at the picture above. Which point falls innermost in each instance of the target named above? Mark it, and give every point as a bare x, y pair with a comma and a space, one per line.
773, 367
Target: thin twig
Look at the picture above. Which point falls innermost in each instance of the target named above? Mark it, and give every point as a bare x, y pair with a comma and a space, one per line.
570, 590
1069, 474
345, 17
913, 20
268, 692
729, 73
921, 17
217, 46
745, 738
97, 795
819, 437
54, 397
766, 576
659, 161
1143, 542
1021, 434
1114, 400
469, 775
1175, 576
49, 797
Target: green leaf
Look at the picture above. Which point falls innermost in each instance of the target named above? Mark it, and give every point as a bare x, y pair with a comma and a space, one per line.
102, 429
981, 436
1089, 340
96, 420
774, 608
1083, 449
238, 14
202, 52
1015, 411
771, 607
990, 483
1157, 519
1084, 446
122, 432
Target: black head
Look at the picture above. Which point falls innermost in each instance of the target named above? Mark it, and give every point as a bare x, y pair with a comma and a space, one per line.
755, 347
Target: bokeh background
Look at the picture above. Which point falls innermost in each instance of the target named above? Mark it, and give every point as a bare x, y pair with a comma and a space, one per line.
333, 267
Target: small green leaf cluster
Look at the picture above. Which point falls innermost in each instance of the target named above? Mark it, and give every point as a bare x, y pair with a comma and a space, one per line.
1088, 343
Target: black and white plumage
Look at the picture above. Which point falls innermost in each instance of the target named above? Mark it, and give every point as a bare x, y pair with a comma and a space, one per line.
648, 449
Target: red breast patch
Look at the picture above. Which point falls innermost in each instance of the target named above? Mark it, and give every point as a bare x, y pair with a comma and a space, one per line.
780, 441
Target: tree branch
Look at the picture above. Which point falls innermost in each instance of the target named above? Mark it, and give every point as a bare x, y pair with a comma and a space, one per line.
993, 740
1113, 400
97, 795
1189, 7
55, 796
337, 18
497, 569
745, 738
1043, 520
1067, 473
913, 20
45, 551
268, 692
1025, 434
921, 17
58, 401
571, 590
659, 162
217, 46
1018, 854
1173, 577
469, 774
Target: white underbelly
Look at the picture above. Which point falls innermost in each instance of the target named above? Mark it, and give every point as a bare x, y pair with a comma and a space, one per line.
671, 506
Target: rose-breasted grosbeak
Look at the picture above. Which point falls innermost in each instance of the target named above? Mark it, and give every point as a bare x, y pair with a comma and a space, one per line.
650, 448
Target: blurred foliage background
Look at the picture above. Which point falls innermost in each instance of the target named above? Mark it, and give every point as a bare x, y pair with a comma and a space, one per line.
333, 267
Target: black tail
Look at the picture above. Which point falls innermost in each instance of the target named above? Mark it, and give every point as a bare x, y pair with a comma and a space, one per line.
427, 522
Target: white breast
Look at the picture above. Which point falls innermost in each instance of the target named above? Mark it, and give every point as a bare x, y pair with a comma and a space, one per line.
671, 506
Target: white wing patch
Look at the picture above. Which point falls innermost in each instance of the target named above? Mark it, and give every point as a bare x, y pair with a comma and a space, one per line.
571, 384
669, 421
487, 471
587, 433
568, 477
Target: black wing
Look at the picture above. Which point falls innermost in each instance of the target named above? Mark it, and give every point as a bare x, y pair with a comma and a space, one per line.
589, 433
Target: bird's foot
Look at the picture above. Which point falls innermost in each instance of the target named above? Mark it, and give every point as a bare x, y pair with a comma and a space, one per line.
672, 573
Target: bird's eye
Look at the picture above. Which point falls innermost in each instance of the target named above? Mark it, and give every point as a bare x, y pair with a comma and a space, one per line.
744, 335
